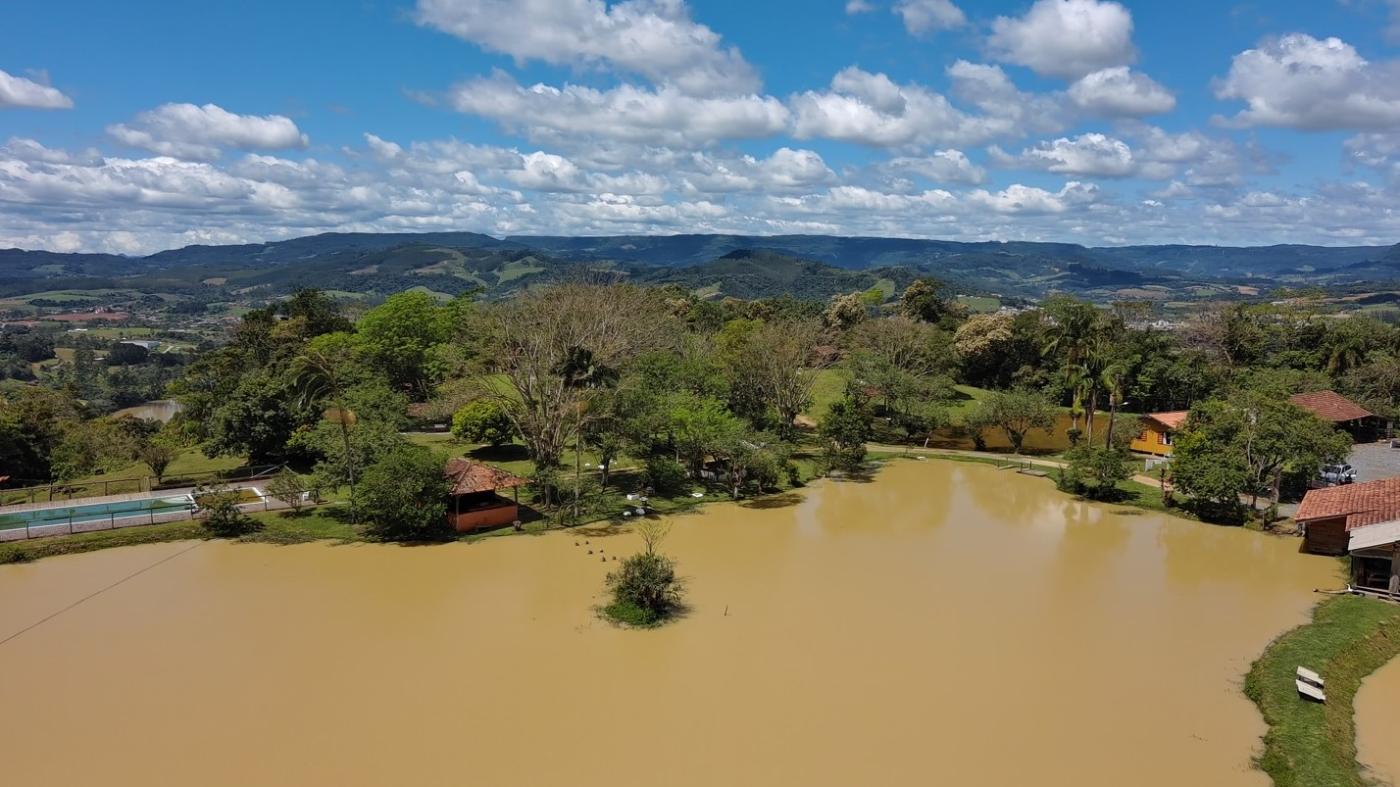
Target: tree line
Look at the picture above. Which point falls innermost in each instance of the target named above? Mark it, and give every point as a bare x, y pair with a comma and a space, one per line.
717, 393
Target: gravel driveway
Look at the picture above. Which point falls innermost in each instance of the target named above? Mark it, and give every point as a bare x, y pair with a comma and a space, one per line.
1374, 461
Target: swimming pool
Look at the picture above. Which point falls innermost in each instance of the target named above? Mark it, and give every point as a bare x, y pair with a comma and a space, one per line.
125, 509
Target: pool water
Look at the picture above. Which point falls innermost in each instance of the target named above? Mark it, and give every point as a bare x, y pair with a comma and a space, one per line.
93, 513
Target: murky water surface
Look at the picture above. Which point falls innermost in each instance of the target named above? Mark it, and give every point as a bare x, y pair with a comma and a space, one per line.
944, 624
1378, 723
1049, 440
161, 410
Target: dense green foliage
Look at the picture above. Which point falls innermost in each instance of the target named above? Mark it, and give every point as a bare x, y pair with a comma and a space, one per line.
845, 429
404, 497
1015, 413
645, 590
684, 390
220, 514
1244, 444
1095, 471
483, 421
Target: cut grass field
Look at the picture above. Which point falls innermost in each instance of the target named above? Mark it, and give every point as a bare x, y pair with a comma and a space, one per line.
190, 464
1310, 744
980, 304
831, 386
968, 398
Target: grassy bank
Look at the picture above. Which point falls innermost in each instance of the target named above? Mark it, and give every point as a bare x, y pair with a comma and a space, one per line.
1312, 745
330, 522
25, 551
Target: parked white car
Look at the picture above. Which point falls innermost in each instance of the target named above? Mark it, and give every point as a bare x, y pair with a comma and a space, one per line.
1337, 475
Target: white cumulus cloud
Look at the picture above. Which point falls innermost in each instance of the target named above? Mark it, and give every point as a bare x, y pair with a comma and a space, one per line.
21, 92
654, 38
1121, 92
1066, 38
871, 109
941, 166
1092, 155
201, 132
1021, 199
1307, 83
664, 115
922, 17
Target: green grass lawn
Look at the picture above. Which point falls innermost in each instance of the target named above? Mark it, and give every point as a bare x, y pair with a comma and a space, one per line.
980, 304
968, 397
191, 464
1310, 744
829, 387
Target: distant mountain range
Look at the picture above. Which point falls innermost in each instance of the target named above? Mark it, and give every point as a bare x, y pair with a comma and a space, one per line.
812, 266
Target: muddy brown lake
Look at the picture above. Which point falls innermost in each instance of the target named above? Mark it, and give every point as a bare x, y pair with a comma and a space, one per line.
1378, 723
945, 623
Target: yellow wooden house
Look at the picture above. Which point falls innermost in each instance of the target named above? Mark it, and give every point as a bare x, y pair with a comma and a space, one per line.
1157, 432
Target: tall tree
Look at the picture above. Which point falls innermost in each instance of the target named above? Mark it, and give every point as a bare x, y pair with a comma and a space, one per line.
1245, 443
1115, 382
929, 300
534, 342
398, 337
1016, 413
778, 361
907, 362
404, 496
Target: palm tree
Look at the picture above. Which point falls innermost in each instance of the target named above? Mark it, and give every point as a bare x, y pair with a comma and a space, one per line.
1097, 356
1071, 332
1115, 381
1344, 352
319, 375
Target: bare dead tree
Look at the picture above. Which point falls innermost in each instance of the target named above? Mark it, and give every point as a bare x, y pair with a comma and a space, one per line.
652, 532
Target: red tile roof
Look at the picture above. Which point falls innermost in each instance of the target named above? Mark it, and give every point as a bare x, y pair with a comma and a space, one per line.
1172, 420
1362, 504
1331, 406
470, 477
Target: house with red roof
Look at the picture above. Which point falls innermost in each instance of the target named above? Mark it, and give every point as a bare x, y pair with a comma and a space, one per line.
1336, 409
1158, 429
1362, 520
476, 503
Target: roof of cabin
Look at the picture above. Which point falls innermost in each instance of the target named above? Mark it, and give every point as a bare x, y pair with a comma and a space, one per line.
1171, 420
1362, 504
1330, 406
470, 477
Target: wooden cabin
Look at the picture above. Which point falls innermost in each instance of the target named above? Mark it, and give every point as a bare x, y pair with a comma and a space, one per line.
476, 502
1375, 558
1157, 432
1329, 516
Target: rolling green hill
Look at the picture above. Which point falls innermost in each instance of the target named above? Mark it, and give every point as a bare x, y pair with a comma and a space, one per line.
807, 266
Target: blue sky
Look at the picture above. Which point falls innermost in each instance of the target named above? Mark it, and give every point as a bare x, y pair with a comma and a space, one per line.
137, 126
